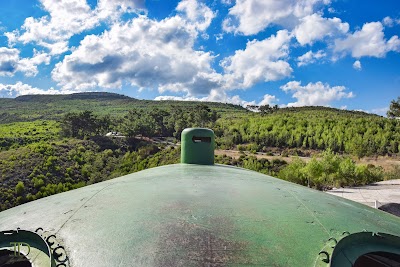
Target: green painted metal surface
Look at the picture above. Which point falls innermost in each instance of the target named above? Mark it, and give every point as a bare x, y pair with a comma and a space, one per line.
350, 247
197, 146
197, 215
29, 244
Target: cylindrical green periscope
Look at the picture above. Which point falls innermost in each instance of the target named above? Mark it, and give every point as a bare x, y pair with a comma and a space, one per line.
197, 146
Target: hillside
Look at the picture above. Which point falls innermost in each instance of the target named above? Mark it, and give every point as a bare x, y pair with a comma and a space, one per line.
304, 128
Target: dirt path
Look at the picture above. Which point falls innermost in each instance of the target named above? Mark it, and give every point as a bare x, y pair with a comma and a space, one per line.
236, 154
385, 162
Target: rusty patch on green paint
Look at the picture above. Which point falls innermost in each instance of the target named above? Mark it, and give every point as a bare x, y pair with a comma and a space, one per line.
189, 244
188, 239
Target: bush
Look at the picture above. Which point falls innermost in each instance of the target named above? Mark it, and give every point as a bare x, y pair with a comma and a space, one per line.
330, 171
20, 188
294, 172
241, 148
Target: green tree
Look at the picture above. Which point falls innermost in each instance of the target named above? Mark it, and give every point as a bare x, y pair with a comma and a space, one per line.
141, 123
347, 174
313, 172
159, 117
265, 109
84, 124
294, 172
20, 188
203, 116
103, 125
394, 109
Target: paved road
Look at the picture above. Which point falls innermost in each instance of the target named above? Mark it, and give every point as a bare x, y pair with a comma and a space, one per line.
374, 195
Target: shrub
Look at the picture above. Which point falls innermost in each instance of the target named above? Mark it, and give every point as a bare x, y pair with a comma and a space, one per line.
20, 188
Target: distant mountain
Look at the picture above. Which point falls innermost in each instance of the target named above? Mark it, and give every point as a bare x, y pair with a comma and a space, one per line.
53, 107
75, 96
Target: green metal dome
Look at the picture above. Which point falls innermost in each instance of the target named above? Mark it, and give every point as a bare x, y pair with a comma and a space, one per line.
198, 215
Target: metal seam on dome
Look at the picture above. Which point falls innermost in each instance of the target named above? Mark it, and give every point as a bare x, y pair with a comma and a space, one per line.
312, 214
69, 218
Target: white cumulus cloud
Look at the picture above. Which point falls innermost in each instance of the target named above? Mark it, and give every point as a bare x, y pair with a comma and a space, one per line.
369, 41
310, 57
144, 53
216, 95
67, 18
112, 9
388, 21
314, 27
357, 65
252, 16
268, 100
19, 88
10, 62
261, 61
197, 13
315, 94
9, 58
380, 111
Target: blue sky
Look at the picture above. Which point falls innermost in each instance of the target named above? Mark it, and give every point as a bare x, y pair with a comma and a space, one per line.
337, 53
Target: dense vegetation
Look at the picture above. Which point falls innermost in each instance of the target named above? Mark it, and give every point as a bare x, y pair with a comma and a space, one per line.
43, 169
14, 135
51, 144
319, 128
332, 170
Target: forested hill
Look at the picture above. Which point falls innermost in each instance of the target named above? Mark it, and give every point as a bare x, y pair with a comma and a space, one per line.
53, 107
316, 128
